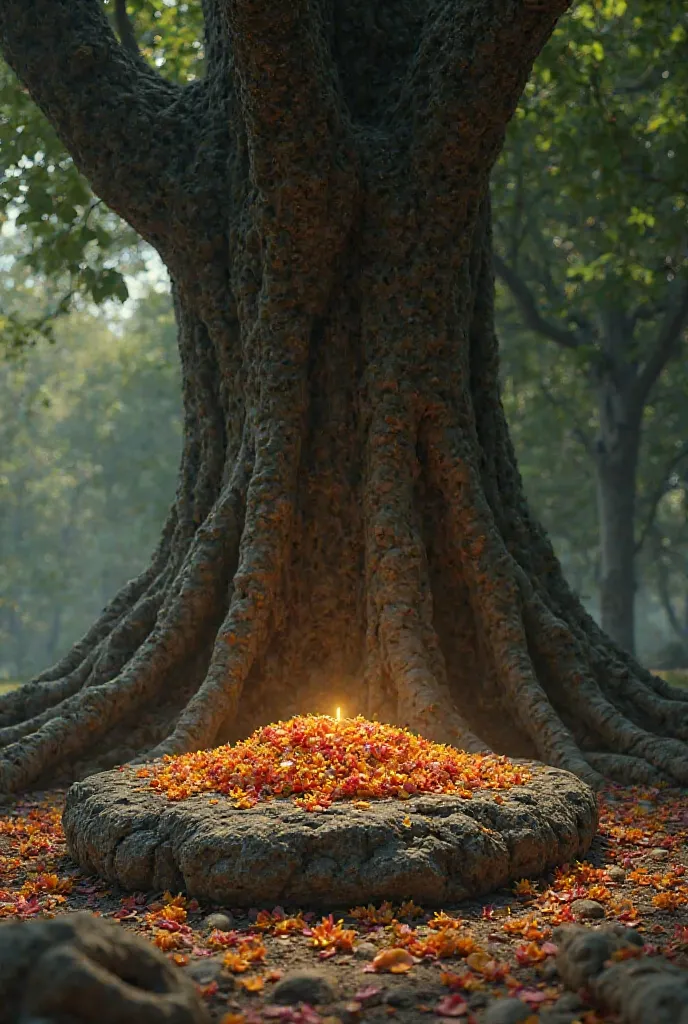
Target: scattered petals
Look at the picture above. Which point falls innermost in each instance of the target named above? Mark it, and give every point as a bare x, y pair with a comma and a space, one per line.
396, 961
452, 1006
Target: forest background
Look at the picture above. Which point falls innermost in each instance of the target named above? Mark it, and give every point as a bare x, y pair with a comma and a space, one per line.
591, 220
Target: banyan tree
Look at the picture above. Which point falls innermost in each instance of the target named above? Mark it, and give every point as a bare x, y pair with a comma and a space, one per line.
350, 526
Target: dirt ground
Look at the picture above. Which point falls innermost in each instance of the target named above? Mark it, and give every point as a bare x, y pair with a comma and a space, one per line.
450, 964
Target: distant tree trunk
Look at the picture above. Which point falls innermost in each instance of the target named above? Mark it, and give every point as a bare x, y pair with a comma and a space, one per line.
53, 638
677, 623
350, 525
616, 466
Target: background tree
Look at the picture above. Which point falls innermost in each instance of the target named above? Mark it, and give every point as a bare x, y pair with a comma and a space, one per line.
593, 242
549, 403
349, 512
89, 442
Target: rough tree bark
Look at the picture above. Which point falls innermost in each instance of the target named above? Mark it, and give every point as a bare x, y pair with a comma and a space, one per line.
349, 525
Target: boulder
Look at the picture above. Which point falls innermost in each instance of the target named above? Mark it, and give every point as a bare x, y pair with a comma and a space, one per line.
84, 970
618, 979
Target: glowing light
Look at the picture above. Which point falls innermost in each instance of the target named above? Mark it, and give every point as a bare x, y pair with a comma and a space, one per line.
338, 714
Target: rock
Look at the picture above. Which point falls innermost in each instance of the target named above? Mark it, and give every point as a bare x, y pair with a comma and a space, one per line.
567, 1010
89, 971
552, 1015
348, 1013
310, 987
659, 853
571, 1002
405, 995
587, 910
506, 1011
643, 990
583, 951
402, 996
477, 1000
277, 853
218, 922
365, 951
209, 969
616, 874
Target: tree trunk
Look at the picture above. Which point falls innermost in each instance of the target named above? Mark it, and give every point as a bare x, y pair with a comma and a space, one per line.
620, 408
350, 526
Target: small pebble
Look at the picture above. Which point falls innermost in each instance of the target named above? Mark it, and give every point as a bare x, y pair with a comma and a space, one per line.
206, 971
568, 1009
302, 987
365, 951
402, 996
218, 922
348, 1013
616, 873
659, 853
587, 910
570, 1001
476, 1000
506, 1011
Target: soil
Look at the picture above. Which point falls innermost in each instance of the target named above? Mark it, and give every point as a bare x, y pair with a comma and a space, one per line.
634, 873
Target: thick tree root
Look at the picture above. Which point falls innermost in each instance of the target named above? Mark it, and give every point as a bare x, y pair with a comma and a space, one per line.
492, 580
462, 627
255, 588
547, 678
643, 757
98, 668
81, 968
76, 668
398, 584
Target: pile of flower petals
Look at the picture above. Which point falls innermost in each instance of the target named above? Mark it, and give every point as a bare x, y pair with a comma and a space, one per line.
316, 760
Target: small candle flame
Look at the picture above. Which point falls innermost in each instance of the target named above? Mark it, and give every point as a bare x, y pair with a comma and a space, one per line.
338, 714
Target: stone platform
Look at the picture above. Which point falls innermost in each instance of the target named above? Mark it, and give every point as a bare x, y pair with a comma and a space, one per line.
434, 849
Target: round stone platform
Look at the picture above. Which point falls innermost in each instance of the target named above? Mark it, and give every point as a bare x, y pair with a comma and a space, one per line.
434, 849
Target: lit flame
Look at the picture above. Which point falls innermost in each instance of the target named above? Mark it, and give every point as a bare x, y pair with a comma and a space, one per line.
338, 714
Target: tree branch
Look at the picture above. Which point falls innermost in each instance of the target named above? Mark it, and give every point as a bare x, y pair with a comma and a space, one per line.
532, 318
301, 151
472, 64
125, 29
293, 109
115, 115
665, 348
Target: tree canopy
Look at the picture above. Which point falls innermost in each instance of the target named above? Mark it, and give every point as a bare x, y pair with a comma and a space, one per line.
591, 207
